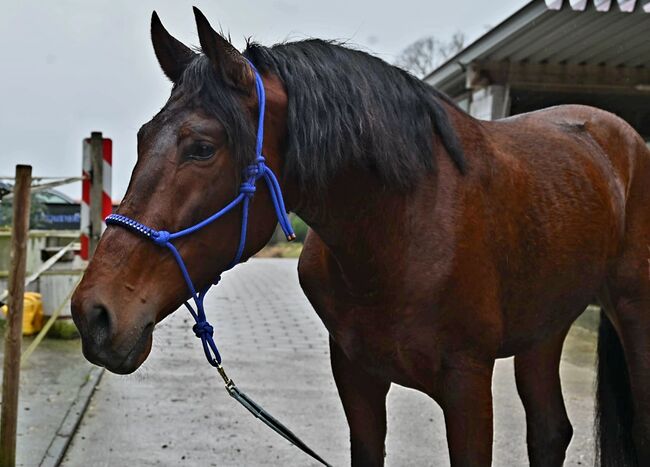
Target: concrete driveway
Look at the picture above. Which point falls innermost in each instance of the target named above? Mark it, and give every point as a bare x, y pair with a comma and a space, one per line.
174, 410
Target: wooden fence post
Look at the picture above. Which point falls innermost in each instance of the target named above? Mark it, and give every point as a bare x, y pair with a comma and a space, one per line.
14, 330
96, 189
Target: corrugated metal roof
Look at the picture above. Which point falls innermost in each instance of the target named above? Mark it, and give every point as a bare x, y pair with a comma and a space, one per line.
626, 6
572, 32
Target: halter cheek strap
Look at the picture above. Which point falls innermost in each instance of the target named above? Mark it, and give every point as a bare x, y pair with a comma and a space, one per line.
202, 328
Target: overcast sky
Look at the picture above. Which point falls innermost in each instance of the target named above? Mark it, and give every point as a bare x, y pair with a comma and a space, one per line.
69, 67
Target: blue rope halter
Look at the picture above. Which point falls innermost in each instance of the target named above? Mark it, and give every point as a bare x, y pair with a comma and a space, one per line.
202, 328
252, 174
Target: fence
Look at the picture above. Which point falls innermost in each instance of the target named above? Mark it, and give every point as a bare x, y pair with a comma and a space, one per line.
96, 191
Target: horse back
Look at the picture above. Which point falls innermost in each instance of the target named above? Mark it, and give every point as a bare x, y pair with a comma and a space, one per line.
558, 209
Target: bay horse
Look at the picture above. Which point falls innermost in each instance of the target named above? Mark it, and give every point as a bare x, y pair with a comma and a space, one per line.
438, 242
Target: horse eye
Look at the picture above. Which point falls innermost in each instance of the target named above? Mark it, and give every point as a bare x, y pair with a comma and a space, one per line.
199, 150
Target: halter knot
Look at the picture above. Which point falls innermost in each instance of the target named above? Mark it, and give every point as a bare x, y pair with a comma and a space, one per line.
256, 170
252, 170
203, 330
247, 188
160, 237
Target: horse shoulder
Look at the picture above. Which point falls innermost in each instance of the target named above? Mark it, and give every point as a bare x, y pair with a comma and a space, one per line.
311, 267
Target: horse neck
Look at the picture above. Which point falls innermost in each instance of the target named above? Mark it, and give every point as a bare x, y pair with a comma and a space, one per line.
361, 224
371, 230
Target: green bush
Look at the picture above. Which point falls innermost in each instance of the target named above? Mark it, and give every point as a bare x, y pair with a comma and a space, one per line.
299, 227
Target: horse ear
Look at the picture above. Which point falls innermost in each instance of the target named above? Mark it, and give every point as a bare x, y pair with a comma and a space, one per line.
226, 59
173, 55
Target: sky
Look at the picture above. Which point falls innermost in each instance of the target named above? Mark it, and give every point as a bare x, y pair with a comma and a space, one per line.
69, 67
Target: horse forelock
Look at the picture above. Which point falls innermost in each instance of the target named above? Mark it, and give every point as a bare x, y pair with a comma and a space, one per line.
199, 87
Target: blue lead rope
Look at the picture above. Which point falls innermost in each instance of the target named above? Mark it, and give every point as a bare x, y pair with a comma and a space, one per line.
202, 328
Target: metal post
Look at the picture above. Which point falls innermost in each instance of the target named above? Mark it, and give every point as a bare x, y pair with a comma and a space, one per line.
14, 331
96, 189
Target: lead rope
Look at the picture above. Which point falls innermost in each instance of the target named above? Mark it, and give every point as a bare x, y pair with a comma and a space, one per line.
202, 328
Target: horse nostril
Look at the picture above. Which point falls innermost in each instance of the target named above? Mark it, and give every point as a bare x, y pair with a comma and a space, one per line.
99, 324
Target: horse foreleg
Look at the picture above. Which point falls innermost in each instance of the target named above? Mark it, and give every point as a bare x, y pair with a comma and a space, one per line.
538, 383
466, 400
364, 401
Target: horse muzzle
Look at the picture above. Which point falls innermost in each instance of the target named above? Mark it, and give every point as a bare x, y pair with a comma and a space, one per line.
103, 343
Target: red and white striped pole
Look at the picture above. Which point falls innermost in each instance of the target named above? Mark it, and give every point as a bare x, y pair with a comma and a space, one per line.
107, 174
96, 201
85, 200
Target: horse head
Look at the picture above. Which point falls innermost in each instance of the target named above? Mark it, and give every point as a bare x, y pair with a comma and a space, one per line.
192, 157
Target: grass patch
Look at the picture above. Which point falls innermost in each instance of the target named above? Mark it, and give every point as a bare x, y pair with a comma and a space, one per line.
63, 329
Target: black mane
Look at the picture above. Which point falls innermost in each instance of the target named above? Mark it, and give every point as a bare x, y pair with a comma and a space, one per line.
345, 107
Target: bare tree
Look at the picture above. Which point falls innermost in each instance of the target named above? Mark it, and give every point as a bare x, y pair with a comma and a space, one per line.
423, 55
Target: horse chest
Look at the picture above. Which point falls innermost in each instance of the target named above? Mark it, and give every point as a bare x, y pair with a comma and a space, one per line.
401, 340
385, 341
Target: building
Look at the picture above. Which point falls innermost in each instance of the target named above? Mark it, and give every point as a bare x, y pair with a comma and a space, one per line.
51, 210
594, 52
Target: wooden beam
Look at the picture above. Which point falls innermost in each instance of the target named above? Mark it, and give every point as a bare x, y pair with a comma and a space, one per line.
586, 78
96, 189
14, 332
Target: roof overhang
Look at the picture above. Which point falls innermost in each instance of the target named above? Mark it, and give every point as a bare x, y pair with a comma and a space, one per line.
600, 42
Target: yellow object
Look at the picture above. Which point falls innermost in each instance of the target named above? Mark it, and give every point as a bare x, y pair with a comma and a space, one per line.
32, 313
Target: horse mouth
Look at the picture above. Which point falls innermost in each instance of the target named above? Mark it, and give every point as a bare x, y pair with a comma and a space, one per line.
136, 357
117, 362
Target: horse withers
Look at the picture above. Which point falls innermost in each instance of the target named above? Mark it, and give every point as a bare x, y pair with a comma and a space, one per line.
439, 242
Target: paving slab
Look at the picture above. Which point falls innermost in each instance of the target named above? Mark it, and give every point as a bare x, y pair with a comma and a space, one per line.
174, 410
